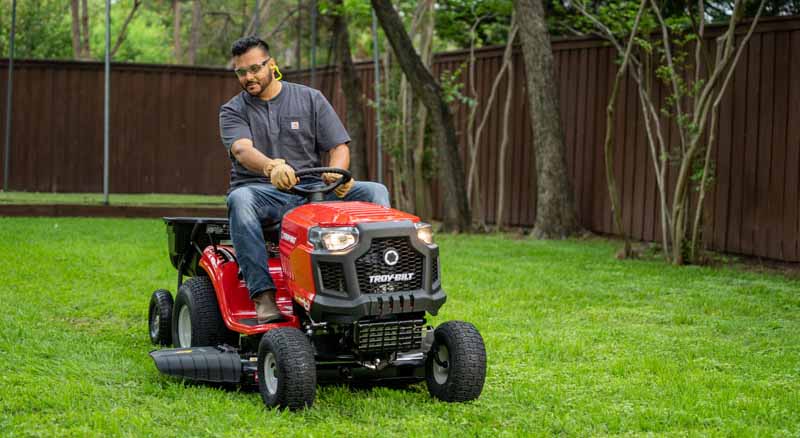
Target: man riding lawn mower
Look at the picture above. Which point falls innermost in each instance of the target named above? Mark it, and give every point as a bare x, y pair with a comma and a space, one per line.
312, 275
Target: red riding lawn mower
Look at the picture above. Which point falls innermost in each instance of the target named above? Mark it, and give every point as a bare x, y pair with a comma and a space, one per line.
354, 283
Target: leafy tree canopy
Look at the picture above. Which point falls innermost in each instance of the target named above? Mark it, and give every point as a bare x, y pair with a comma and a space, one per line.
44, 26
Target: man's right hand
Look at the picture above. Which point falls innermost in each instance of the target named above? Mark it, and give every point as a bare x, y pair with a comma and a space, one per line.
281, 174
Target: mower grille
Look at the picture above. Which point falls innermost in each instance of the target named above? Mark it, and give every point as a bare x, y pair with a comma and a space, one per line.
376, 276
389, 336
332, 276
435, 270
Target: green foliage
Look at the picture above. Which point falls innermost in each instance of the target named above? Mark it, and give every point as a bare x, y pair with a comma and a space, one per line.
578, 343
618, 16
453, 87
455, 19
147, 39
44, 26
43, 29
697, 173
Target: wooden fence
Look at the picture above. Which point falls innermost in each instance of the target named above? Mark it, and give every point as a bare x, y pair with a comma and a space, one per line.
165, 139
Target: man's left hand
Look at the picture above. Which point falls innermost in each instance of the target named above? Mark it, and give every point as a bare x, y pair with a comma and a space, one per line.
342, 190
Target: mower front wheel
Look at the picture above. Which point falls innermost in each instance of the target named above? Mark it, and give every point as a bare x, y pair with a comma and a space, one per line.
160, 317
287, 373
455, 369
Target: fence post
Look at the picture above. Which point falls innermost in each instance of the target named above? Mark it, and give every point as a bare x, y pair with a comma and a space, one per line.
9, 95
106, 99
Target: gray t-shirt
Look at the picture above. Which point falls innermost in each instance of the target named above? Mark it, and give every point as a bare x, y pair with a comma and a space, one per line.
297, 125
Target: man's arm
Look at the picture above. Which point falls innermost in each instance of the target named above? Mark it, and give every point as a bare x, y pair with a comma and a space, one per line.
238, 139
248, 156
339, 156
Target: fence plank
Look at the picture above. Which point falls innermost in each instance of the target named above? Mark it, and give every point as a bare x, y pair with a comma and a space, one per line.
791, 215
750, 200
777, 176
765, 164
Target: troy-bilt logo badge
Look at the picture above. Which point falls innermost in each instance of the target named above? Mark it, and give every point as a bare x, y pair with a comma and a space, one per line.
295, 125
288, 237
391, 257
406, 276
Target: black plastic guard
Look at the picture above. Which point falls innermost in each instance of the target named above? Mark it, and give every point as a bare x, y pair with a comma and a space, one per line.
206, 364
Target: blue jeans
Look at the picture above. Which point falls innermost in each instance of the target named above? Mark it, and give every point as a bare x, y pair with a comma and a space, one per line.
249, 205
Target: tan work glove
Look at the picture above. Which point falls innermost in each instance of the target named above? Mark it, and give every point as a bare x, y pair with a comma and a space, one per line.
342, 190
271, 165
281, 175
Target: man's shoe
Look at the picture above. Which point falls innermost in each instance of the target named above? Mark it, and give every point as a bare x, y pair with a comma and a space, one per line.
266, 310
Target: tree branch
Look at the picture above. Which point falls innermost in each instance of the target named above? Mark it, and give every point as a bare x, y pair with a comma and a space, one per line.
283, 21
124, 31
673, 73
712, 128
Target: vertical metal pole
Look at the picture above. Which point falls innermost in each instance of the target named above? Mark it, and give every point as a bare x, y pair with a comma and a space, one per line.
9, 94
376, 61
314, 43
106, 99
256, 23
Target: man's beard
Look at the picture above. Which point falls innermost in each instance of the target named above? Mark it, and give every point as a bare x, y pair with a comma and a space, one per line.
262, 85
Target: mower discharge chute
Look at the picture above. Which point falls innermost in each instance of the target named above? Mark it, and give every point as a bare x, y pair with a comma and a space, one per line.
354, 281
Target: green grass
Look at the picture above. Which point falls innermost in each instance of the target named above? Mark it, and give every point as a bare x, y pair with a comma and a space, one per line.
579, 344
148, 199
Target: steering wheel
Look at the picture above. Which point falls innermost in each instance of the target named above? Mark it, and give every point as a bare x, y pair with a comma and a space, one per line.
317, 193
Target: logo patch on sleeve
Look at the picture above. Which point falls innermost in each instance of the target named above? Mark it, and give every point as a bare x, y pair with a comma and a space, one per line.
295, 125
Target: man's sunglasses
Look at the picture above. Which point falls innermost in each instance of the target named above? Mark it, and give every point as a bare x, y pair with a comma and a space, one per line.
254, 69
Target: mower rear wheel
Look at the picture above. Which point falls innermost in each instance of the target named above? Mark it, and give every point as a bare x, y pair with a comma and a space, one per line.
160, 317
196, 318
455, 369
287, 373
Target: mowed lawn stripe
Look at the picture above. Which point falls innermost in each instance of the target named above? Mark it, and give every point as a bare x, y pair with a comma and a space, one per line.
578, 343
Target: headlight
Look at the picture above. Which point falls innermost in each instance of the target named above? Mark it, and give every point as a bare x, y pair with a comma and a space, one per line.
333, 239
424, 232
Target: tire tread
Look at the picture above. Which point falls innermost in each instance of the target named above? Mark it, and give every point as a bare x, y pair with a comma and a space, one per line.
297, 378
467, 363
208, 328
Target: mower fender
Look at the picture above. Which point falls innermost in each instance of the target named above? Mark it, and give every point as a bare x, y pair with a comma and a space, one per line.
233, 297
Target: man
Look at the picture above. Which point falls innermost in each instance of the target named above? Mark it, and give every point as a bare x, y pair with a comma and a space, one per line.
271, 129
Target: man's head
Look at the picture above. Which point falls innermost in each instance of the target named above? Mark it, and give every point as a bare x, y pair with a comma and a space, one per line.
253, 65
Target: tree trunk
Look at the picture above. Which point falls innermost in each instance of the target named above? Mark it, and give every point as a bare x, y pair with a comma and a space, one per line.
422, 194
194, 39
404, 164
76, 29
555, 204
456, 209
298, 46
259, 20
85, 48
508, 64
351, 86
176, 30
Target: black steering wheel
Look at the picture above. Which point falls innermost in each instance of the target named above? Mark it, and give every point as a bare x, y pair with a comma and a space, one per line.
317, 193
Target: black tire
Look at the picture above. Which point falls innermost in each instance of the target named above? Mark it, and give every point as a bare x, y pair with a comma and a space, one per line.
201, 325
159, 317
455, 369
287, 372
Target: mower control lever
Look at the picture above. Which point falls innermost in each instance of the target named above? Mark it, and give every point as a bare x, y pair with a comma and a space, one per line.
316, 194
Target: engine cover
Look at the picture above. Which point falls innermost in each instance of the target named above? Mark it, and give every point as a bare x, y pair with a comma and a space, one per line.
389, 270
